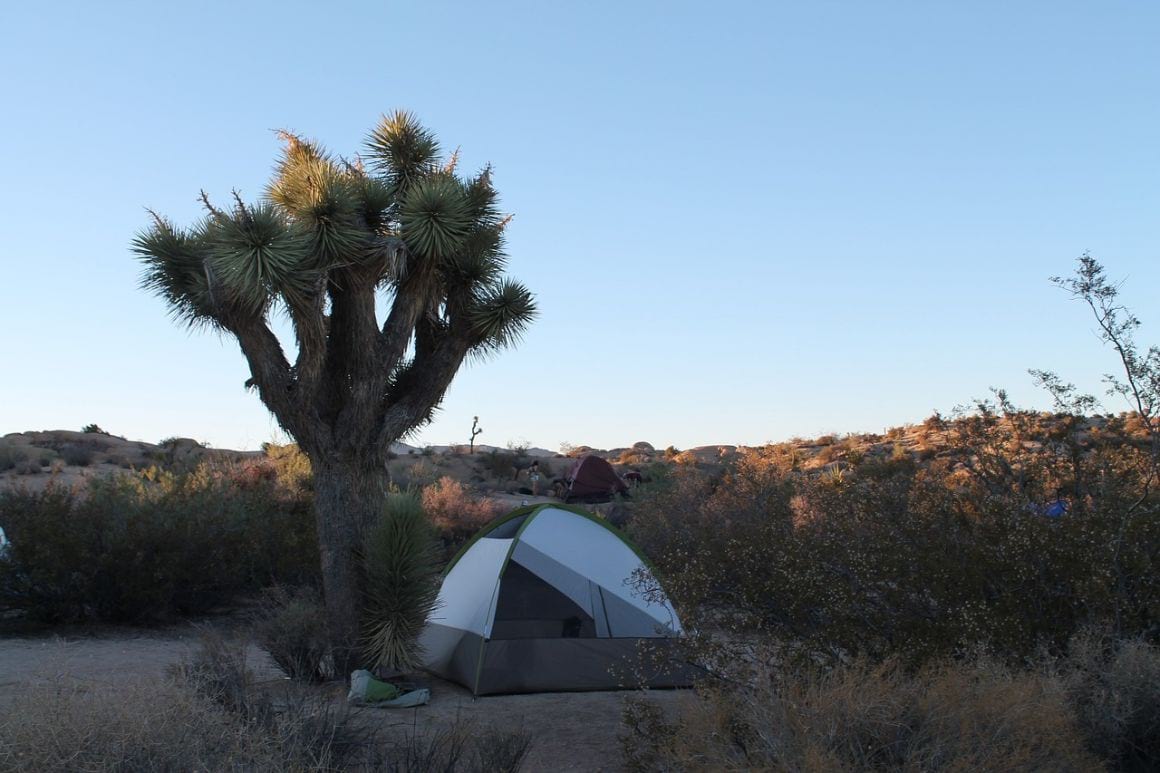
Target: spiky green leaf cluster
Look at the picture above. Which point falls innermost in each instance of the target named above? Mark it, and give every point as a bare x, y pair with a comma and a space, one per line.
402, 149
257, 255
326, 200
322, 216
435, 216
175, 269
502, 315
401, 564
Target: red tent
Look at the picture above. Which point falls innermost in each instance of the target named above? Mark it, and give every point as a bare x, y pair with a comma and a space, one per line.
592, 479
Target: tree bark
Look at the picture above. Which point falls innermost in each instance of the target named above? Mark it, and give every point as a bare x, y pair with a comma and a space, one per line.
349, 495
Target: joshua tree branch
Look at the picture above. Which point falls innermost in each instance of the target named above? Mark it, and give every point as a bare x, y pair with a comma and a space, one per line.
310, 327
427, 381
270, 374
411, 300
354, 363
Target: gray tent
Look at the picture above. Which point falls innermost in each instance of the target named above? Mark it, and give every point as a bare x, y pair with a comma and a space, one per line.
546, 599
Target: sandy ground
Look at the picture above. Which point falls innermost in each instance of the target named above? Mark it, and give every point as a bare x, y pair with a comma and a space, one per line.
571, 731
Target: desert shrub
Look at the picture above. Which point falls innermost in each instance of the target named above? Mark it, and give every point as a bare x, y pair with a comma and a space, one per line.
1114, 686
314, 734
93, 429
127, 727
936, 422
827, 454
212, 714
29, 467
208, 715
309, 731
401, 562
119, 460
423, 472
864, 716
455, 512
501, 465
291, 466
217, 670
922, 562
291, 628
146, 547
460, 746
632, 456
503, 751
10, 457
76, 455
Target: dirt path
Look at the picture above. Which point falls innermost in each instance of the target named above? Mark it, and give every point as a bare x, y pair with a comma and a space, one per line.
571, 731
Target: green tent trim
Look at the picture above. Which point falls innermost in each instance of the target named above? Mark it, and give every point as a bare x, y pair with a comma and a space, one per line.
531, 511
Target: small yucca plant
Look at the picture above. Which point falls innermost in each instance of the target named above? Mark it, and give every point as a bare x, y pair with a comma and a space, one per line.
401, 560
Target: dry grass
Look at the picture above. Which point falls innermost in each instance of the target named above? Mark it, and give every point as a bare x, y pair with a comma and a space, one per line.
290, 626
976, 717
211, 715
1115, 689
128, 727
1097, 708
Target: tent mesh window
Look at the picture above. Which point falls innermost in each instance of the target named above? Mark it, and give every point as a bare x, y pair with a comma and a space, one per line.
506, 530
530, 608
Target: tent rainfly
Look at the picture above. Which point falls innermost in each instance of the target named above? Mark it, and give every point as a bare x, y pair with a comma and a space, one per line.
544, 600
593, 479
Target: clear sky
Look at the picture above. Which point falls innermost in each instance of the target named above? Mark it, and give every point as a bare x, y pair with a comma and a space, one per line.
743, 221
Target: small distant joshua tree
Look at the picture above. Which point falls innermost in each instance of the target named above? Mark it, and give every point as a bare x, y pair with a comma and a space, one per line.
475, 430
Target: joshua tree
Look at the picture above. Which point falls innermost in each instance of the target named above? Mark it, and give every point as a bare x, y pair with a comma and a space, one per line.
475, 431
329, 236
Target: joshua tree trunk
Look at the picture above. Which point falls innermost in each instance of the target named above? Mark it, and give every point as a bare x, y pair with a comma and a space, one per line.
348, 497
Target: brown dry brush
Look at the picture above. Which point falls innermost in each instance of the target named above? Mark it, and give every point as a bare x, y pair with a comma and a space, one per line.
914, 616
290, 626
212, 714
1097, 708
893, 558
867, 716
456, 512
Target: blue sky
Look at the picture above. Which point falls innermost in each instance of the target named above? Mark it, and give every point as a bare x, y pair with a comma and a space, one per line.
743, 221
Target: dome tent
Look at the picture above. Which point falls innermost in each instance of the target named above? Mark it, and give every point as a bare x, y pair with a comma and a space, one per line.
592, 479
543, 600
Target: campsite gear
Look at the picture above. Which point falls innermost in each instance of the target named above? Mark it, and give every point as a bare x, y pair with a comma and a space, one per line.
592, 479
364, 688
1057, 508
547, 599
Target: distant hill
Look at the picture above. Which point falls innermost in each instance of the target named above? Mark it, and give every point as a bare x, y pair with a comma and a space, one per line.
33, 458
